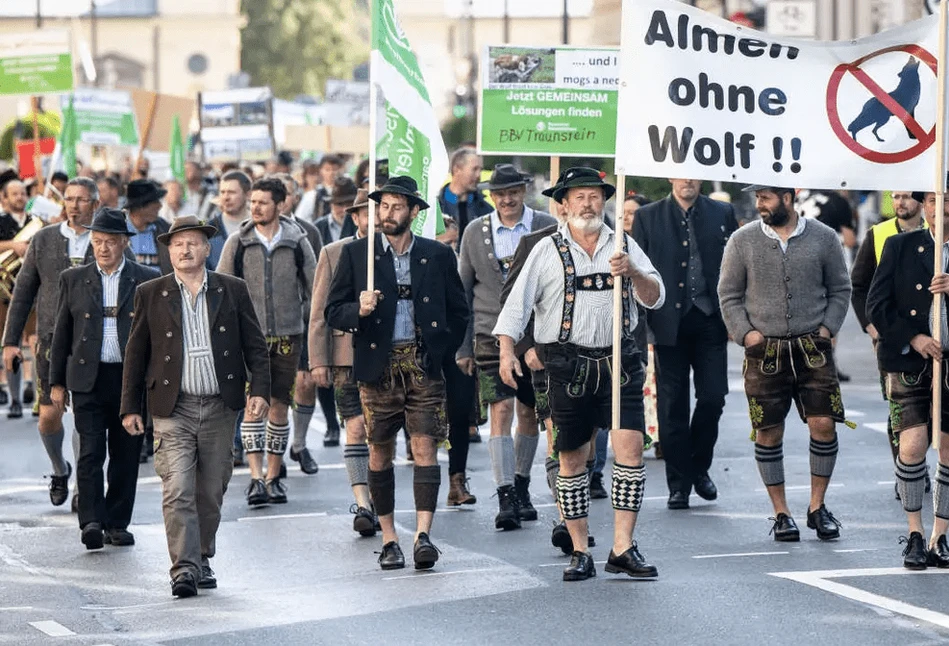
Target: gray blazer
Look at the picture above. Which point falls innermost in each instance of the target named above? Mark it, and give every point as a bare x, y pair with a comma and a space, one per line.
38, 282
481, 276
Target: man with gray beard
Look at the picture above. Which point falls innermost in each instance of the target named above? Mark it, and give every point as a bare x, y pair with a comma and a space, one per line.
567, 282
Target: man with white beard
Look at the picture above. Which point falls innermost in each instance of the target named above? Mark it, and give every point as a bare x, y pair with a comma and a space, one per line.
567, 282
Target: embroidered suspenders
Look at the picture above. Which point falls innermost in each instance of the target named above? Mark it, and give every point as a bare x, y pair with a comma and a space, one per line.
589, 282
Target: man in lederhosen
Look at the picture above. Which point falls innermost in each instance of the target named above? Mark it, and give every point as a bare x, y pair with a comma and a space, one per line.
403, 332
331, 364
567, 282
487, 249
88, 346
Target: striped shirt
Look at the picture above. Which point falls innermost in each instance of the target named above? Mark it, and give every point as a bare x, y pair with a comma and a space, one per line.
111, 350
540, 288
404, 329
197, 372
505, 237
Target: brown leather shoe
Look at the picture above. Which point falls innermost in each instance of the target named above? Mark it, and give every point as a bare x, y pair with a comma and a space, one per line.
458, 493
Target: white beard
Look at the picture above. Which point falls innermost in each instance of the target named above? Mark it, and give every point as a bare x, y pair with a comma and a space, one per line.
586, 225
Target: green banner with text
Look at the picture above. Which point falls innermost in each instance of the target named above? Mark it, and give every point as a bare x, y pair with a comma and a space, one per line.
37, 62
548, 101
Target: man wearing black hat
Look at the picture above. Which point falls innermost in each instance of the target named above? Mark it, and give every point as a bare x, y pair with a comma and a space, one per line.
567, 282
487, 249
404, 330
784, 292
684, 236
337, 224
901, 305
194, 338
143, 203
92, 329
52, 250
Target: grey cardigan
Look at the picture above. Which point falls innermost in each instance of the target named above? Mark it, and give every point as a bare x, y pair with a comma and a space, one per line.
281, 300
482, 278
783, 294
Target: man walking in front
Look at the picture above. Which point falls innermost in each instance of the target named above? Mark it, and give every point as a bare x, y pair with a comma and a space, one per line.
684, 236
88, 347
484, 268
567, 282
404, 330
194, 342
784, 293
273, 256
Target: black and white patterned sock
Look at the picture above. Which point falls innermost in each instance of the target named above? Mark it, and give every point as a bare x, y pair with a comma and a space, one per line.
573, 492
629, 483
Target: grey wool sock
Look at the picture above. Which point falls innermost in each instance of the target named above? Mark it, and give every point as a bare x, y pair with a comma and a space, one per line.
501, 450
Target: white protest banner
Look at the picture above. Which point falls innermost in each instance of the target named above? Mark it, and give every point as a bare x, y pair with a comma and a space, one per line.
701, 97
104, 117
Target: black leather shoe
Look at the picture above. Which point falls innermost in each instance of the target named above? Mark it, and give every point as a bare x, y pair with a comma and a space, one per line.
581, 567
365, 521
183, 586
560, 537
597, 491
678, 500
915, 556
507, 518
307, 464
828, 527
119, 537
705, 488
939, 554
391, 557
276, 491
207, 581
59, 487
631, 562
256, 493
92, 536
16, 410
332, 437
785, 529
425, 554
28, 393
525, 509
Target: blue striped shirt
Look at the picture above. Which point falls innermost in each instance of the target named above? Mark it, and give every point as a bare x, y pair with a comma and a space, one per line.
506, 238
404, 329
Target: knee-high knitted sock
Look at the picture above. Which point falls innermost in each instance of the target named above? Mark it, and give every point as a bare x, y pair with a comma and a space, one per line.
425, 486
15, 382
911, 483
573, 493
553, 470
525, 448
53, 443
770, 461
277, 438
302, 414
941, 492
628, 486
823, 457
252, 436
501, 450
382, 490
356, 458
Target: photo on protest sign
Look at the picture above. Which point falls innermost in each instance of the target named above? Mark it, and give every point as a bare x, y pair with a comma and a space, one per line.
237, 124
548, 101
707, 99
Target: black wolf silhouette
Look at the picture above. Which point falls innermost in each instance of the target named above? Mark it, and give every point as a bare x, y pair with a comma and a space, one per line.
875, 114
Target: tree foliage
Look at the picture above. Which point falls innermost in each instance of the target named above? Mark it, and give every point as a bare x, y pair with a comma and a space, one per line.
49, 125
295, 45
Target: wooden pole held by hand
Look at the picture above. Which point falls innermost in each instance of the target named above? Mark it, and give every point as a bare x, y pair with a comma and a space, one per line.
940, 210
618, 322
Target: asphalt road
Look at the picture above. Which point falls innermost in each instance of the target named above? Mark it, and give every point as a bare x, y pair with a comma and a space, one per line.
297, 574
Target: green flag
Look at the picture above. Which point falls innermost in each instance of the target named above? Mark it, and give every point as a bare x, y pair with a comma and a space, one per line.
177, 157
67, 141
413, 140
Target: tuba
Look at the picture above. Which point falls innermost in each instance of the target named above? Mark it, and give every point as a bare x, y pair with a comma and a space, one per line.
10, 263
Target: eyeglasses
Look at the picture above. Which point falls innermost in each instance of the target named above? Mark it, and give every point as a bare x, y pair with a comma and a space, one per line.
77, 200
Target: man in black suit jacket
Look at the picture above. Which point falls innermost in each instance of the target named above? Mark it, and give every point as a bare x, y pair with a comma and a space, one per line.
900, 307
684, 236
92, 329
403, 331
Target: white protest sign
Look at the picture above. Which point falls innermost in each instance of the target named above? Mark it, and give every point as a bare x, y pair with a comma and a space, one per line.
704, 98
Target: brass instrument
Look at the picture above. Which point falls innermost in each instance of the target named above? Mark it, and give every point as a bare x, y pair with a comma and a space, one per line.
10, 263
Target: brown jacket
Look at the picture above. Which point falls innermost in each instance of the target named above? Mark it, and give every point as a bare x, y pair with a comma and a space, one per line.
329, 348
155, 352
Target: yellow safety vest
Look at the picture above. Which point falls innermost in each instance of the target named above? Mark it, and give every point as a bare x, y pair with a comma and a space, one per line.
883, 231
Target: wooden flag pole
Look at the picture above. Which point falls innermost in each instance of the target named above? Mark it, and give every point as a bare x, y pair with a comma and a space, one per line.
37, 154
940, 212
618, 323
371, 232
149, 122
554, 174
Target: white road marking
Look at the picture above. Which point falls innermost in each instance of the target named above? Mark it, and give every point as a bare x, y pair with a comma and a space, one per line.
858, 549
429, 573
885, 482
879, 427
16, 609
820, 579
314, 514
738, 554
855, 413
52, 628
